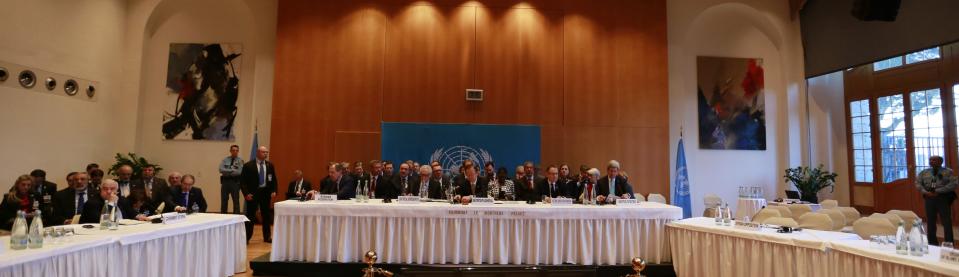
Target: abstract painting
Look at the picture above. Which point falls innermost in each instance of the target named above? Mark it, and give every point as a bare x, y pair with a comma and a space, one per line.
731, 103
202, 88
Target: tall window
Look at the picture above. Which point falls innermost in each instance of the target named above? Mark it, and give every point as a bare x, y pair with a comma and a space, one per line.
861, 140
892, 138
928, 135
911, 58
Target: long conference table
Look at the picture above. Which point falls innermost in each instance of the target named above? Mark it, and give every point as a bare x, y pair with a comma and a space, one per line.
443, 233
201, 245
701, 248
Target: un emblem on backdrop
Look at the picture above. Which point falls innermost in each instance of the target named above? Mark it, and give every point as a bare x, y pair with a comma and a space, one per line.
451, 158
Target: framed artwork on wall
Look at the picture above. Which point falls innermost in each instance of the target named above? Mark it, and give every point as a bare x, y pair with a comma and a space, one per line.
732, 112
202, 89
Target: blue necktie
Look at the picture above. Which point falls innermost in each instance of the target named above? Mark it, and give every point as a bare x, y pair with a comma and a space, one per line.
80, 202
186, 196
262, 174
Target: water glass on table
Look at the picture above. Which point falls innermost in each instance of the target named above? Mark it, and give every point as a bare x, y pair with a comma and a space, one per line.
947, 245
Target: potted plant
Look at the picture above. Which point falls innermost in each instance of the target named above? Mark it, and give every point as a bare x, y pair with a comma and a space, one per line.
809, 181
134, 161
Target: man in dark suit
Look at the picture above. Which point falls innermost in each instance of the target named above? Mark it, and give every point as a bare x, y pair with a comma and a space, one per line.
359, 173
380, 185
338, 182
612, 186
186, 196
425, 186
70, 201
43, 191
551, 186
109, 191
472, 185
525, 185
299, 186
258, 183
442, 180
155, 188
403, 181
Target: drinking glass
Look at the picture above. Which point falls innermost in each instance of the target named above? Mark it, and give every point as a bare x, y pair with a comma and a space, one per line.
947, 245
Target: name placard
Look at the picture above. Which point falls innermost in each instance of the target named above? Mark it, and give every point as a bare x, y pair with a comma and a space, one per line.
482, 201
560, 202
173, 218
631, 201
408, 199
747, 225
949, 255
325, 198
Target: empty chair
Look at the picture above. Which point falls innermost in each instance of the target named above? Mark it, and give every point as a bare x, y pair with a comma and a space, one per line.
816, 221
763, 214
869, 226
656, 197
829, 204
781, 221
798, 210
639, 197
712, 200
783, 210
894, 219
851, 214
838, 219
908, 217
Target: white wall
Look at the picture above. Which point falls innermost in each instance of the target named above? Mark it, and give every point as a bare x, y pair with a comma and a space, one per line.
82, 38
827, 126
747, 29
156, 24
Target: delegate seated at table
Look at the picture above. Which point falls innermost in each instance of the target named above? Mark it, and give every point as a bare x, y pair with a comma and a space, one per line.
472, 185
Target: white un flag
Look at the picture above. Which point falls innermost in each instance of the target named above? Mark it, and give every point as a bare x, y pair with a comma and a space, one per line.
681, 182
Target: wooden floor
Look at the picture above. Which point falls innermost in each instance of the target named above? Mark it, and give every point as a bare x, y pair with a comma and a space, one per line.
255, 249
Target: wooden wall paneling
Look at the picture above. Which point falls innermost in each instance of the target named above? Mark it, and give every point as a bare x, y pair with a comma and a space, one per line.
640, 55
639, 151
498, 65
356, 146
553, 148
589, 65
429, 56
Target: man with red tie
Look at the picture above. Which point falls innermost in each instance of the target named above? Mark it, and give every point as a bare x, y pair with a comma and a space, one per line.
380, 186
588, 196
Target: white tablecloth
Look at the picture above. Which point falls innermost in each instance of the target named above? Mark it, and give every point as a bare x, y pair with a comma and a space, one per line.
439, 233
700, 248
749, 207
203, 245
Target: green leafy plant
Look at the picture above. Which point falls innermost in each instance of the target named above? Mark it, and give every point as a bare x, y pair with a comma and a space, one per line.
134, 161
809, 181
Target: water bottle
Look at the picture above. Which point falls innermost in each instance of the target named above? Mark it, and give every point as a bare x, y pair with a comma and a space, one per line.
922, 236
195, 208
902, 240
108, 216
35, 236
727, 215
915, 241
719, 215
18, 234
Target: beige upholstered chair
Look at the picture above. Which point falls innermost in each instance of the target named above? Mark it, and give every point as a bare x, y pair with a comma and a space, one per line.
656, 197
763, 214
894, 219
781, 221
816, 221
838, 219
869, 226
783, 210
908, 217
799, 210
712, 201
639, 197
851, 214
829, 204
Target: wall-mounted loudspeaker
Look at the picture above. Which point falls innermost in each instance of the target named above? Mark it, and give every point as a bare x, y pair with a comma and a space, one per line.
876, 10
27, 79
71, 87
50, 83
91, 91
3, 74
474, 95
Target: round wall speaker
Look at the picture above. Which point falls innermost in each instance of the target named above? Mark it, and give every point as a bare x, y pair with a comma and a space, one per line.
91, 91
50, 83
3, 74
27, 79
71, 87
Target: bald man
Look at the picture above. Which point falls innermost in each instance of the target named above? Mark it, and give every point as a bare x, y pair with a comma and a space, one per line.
258, 183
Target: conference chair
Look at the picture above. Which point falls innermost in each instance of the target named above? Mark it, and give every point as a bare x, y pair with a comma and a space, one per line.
894, 219
639, 197
764, 214
781, 221
798, 210
783, 210
656, 197
873, 226
838, 219
829, 204
908, 217
851, 214
816, 221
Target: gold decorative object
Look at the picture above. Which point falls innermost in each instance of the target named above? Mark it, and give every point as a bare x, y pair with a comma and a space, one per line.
370, 258
638, 266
